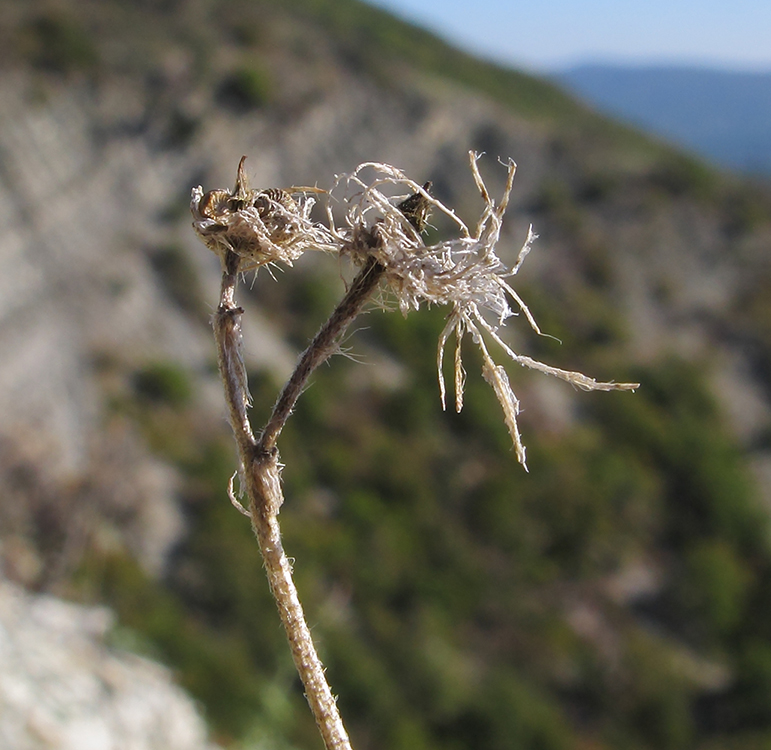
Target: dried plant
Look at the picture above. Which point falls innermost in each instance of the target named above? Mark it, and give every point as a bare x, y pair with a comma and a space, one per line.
381, 234
464, 273
260, 227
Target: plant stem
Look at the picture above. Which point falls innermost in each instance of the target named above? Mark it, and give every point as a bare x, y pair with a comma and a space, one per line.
324, 344
261, 473
263, 484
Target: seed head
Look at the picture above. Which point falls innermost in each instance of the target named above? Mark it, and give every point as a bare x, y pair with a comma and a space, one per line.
464, 272
259, 226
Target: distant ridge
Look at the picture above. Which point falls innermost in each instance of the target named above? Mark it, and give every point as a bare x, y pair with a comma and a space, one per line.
722, 115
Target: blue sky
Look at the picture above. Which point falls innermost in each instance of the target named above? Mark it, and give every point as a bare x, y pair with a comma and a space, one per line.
544, 35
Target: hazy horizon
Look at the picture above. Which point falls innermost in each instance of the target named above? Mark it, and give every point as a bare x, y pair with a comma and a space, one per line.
556, 35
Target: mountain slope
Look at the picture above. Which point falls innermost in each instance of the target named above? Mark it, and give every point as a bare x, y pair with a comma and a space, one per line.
615, 596
721, 115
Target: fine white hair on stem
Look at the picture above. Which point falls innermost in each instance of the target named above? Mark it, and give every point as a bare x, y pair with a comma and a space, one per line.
464, 272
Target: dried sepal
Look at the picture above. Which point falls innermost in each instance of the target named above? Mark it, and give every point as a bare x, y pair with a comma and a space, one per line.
416, 208
459, 370
259, 226
497, 377
579, 380
443, 336
455, 324
464, 272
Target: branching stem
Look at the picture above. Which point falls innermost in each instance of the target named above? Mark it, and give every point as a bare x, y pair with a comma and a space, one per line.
261, 471
250, 228
324, 344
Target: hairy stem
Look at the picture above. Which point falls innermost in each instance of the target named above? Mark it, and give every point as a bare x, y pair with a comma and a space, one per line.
227, 334
260, 467
324, 344
261, 477
263, 485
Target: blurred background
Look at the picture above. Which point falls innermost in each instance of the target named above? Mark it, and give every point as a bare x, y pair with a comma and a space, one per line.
617, 596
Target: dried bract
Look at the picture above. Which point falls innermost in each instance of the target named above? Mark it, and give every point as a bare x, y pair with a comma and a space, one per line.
464, 273
259, 226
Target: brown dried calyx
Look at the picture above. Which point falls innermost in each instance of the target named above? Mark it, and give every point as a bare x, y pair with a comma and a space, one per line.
416, 208
259, 226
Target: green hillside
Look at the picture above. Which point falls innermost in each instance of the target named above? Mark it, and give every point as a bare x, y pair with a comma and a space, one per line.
617, 596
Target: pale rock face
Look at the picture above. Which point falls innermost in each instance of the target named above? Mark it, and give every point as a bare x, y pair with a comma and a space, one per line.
63, 688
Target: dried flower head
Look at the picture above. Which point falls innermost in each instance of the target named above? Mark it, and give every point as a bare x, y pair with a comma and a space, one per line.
463, 272
259, 226
267, 226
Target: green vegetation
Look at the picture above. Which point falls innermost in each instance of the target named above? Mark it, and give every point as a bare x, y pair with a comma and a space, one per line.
58, 43
179, 278
214, 667
459, 602
163, 383
244, 89
374, 34
684, 175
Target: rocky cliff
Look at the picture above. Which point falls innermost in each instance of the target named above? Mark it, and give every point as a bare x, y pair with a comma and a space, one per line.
64, 687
